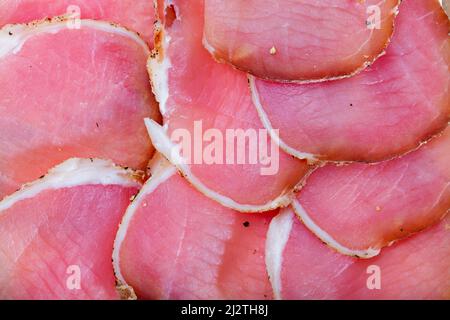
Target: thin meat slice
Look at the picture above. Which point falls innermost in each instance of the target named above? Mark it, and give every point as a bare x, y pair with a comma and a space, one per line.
302, 41
360, 208
57, 233
208, 105
137, 15
71, 93
302, 267
175, 243
387, 110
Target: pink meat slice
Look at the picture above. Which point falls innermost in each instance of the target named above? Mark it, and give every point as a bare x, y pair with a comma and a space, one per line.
57, 234
192, 88
71, 93
387, 110
304, 268
137, 15
298, 40
360, 208
175, 243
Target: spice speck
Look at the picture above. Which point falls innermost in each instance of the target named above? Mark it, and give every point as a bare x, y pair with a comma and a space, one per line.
273, 50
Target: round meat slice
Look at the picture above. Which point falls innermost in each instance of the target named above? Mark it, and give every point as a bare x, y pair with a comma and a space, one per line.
207, 109
360, 208
302, 267
57, 233
301, 41
175, 243
68, 92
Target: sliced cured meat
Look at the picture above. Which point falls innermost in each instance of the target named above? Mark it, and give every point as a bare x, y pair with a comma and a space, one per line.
360, 208
57, 233
209, 105
71, 93
135, 15
298, 40
301, 267
175, 243
387, 110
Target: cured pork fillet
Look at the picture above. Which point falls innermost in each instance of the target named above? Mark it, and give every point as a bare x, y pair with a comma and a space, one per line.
303, 41
387, 110
175, 243
196, 92
137, 15
57, 233
71, 93
302, 267
360, 208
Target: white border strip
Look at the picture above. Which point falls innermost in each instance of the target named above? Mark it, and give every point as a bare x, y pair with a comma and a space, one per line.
159, 73
328, 239
14, 36
268, 125
171, 151
277, 237
71, 173
161, 172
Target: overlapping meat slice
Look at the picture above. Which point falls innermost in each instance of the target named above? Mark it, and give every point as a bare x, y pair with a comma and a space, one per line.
302, 267
196, 94
398, 102
71, 93
360, 208
175, 243
298, 40
137, 15
57, 234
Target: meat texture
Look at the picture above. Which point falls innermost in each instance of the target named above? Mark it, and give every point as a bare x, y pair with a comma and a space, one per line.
302, 41
360, 208
175, 243
71, 93
302, 267
57, 233
385, 111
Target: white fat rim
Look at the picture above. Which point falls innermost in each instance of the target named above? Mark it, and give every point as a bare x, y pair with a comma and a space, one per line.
208, 46
71, 173
159, 75
166, 147
328, 239
268, 125
161, 172
14, 36
277, 237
